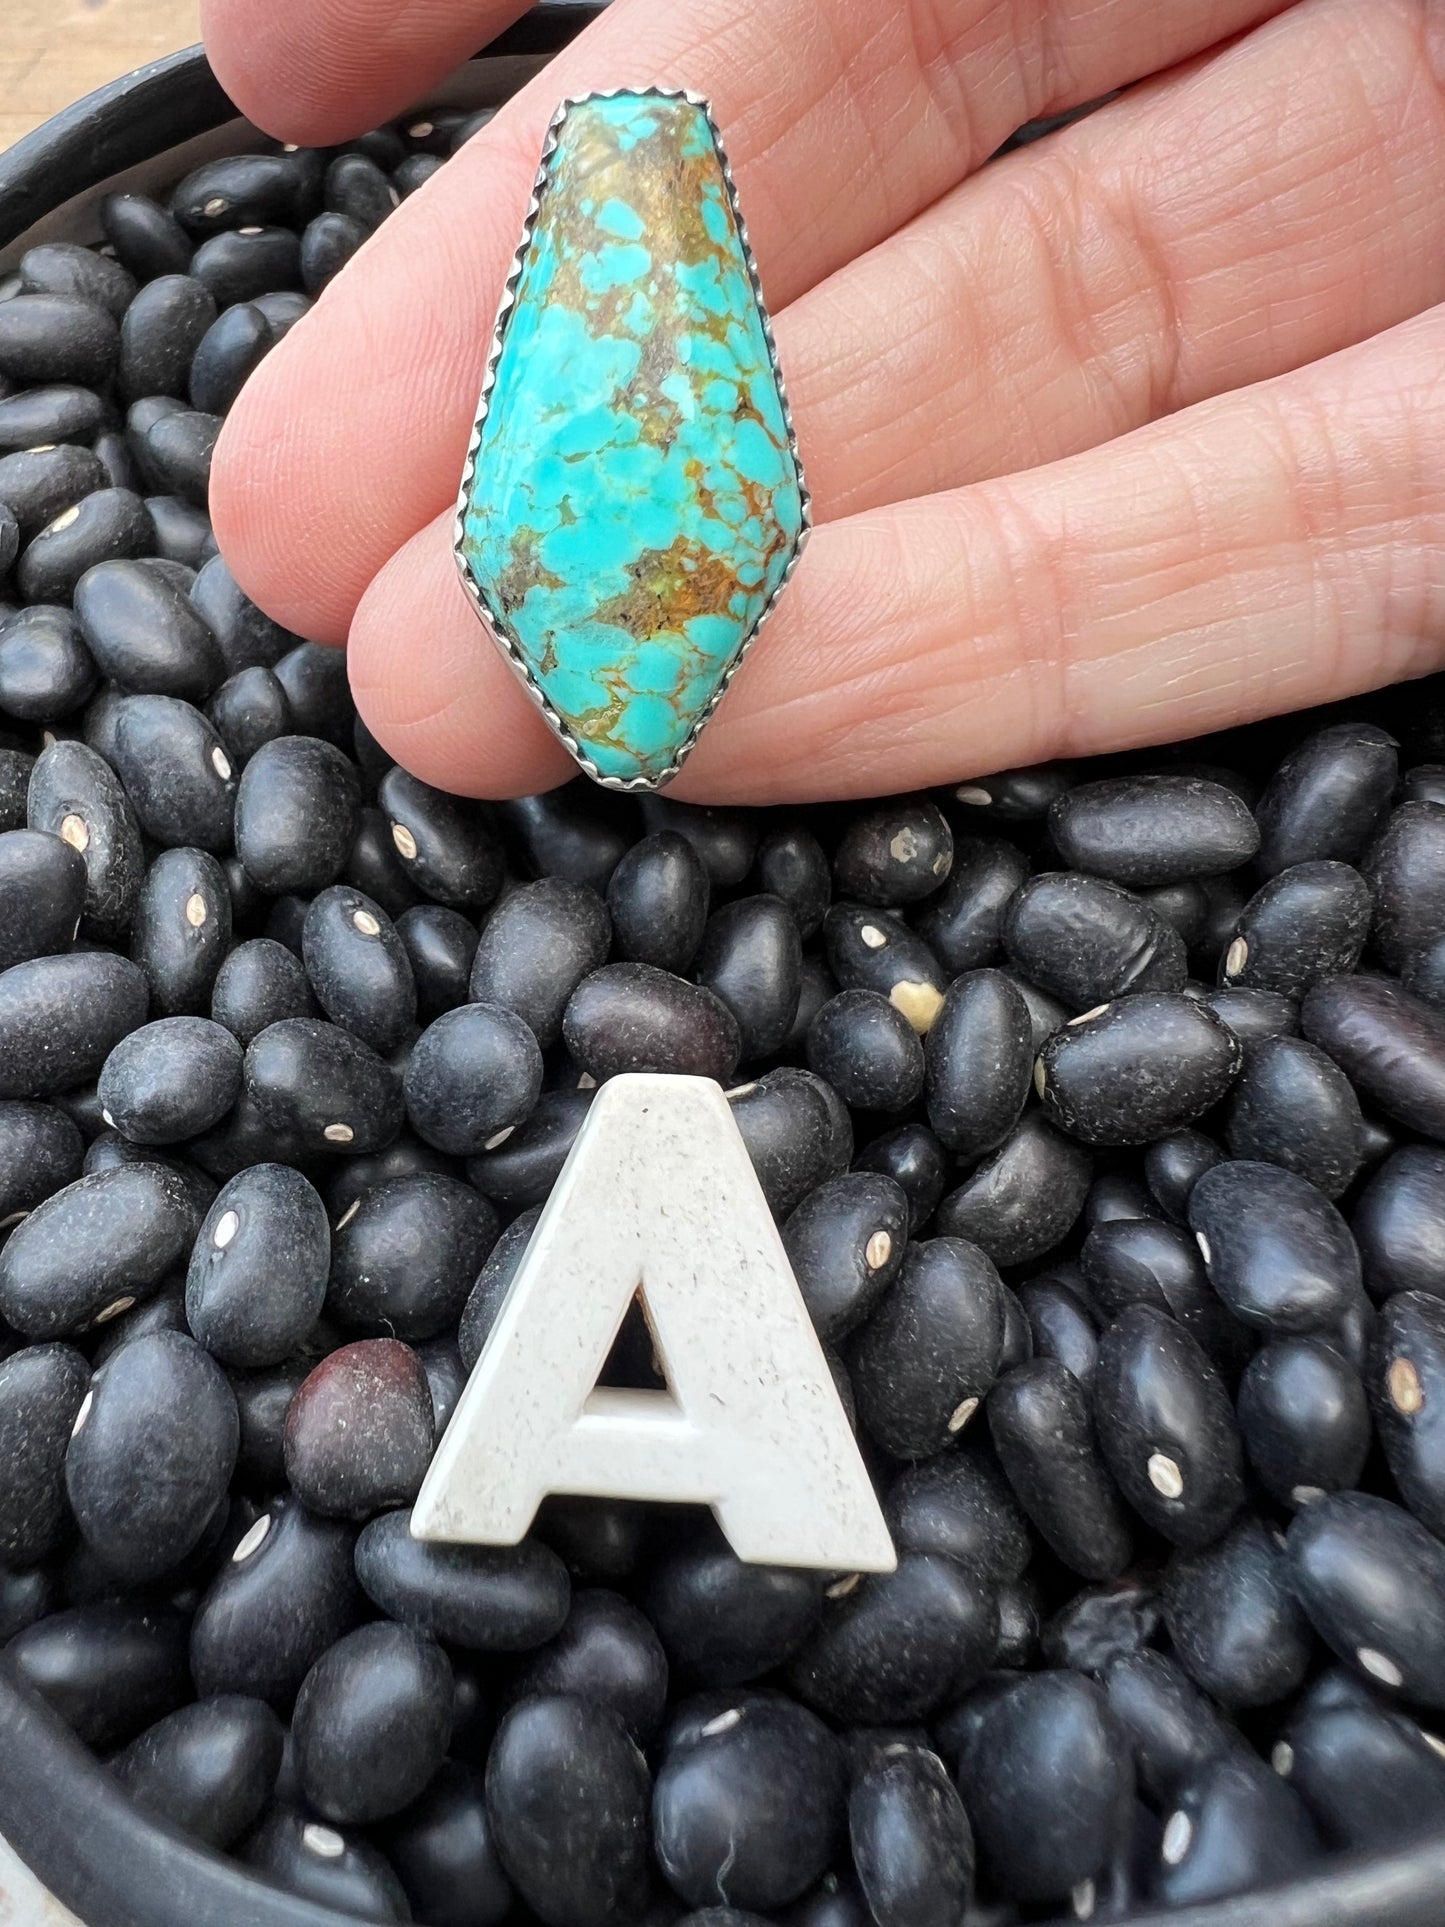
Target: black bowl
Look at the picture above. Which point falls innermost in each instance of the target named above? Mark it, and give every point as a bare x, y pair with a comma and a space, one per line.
63, 1816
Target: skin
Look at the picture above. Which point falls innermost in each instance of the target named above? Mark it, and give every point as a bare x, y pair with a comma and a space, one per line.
1134, 434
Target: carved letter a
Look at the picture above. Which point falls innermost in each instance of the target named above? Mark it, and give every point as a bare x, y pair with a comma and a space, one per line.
659, 1197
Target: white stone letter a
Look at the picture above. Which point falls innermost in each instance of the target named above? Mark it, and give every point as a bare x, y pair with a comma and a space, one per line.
659, 1197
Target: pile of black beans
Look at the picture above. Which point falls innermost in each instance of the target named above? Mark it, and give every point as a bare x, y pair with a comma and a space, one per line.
1102, 1107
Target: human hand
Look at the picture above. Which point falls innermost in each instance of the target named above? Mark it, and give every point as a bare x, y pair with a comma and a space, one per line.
1132, 434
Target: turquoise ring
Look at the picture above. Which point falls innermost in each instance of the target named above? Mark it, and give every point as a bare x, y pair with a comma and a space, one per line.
633, 501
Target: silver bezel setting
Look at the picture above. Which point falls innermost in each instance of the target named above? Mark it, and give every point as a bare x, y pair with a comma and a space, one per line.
492, 623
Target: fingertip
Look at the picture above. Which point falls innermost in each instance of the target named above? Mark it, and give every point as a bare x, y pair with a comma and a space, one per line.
433, 688
321, 71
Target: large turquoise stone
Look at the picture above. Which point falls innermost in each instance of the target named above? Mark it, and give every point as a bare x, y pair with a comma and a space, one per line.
635, 501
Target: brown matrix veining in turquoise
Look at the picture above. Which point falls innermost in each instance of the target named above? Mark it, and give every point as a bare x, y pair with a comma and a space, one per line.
635, 501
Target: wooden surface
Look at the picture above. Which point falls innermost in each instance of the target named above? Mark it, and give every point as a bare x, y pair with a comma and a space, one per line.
53, 51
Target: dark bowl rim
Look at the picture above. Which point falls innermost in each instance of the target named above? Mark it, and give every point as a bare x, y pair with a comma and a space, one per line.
61, 1811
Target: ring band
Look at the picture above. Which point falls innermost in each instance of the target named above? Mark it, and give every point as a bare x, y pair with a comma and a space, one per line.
633, 501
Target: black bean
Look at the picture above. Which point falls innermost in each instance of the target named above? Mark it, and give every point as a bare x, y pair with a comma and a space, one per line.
283, 308
472, 1077
1304, 1419
42, 892
40, 482
871, 950
927, 1356
555, 835
258, 1269
108, 524
152, 1453
1252, 1015
723, 1622
170, 1080
1118, 1196
1136, 1068
244, 262
327, 244
791, 864
845, 1242
960, 1505
1399, 1223
209, 1768
1372, 1580
1328, 798
568, 1794
381, 1678
183, 532
912, 1156
964, 923
523, 1168
1233, 1621
245, 636
911, 1841
448, 845
177, 451
1046, 1776
107, 1670
1425, 783
159, 336
536, 948
867, 1050
607, 1650
1164, 1421
415, 171
1087, 941
357, 187
57, 337
980, 1059
360, 1430
1103, 1624
147, 240
286, 1594
1141, 830
786, 1123
1014, 795
658, 899
1305, 923
1369, 1776
1023, 1198
115, 455
374, 866
748, 1806
60, 414
1141, 1262
182, 929
1293, 1107
1277, 1251
634, 1017
1041, 1428
296, 814
751, 958
62, 267
249, 709
440, 945
1407, 1391
319, 695
1389, 1043
1061, 1324
1235, 1826
60, 1016
895, 854
25, 1598
337, 1871
893, 1646
41, 1389
259, 984
405, 1255
242, 190
1425, 974
1405, 870
145, 634
40, 1150
45, 667
234, 344
176, 772
358, 968
1173, 1729
442, 1850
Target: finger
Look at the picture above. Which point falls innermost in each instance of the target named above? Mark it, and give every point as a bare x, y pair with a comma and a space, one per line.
1260, 552
329, 69
844, 118
1226, 223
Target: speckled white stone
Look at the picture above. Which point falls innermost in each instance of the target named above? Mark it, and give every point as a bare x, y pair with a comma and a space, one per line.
659, 1195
